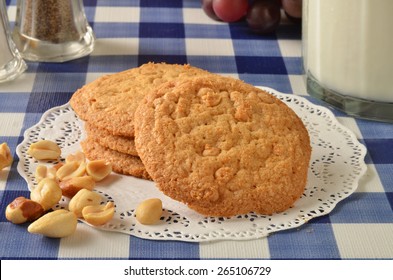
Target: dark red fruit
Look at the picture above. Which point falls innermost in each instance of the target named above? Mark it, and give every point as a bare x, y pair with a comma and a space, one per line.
230, 10
264, 16
207, 6
293, 7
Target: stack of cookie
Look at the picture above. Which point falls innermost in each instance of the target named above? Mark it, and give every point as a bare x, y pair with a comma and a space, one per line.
107, 106
217, 144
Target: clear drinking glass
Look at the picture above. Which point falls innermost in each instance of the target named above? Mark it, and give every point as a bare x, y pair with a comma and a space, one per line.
52, 30
11, 63
348, 55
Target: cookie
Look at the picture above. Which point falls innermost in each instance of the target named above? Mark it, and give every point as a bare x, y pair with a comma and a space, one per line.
121, 163
103, 137
110, 101
223, 147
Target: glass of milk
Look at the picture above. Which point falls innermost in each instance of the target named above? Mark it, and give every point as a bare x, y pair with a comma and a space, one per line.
348, 55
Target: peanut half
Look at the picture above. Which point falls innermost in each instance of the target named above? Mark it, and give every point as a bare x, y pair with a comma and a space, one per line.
149, 211
98, 214
43, 171
23, 210
5, 156
78, 157
47, 193
44, 149
56, 224
71, 170
98, 169
82, 199
72, 186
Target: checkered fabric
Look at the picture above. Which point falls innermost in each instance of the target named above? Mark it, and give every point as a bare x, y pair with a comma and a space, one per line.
130, 33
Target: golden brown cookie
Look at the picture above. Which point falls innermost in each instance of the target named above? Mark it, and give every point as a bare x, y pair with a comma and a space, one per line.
222, 146
121, 163
103, 137
110, 101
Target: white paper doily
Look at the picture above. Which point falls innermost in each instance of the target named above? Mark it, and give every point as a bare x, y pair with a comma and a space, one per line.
337, 163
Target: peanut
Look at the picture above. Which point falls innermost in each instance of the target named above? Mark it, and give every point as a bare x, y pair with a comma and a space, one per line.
5, 156
23, 210
149, 211
43, 171
57, 166
44, 149
72, 186
98, 169
71, 170
47, 193
98, 214
56, 224
82, 199
78, 157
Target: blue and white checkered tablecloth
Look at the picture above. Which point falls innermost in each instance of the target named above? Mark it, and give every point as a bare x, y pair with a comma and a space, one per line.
130, 33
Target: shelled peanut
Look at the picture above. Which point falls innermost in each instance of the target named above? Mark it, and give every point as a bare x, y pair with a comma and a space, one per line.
82, 199
149, 211
74, 178
23, 210
42, 172
72, 186
47, 193
44, 149
56, 224
71, 179
5, 156
98, 214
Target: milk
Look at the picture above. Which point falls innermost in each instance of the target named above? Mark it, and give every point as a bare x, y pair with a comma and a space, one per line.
348, 46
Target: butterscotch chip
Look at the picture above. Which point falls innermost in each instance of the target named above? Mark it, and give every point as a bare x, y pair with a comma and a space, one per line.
121, 163
222, 146
103, 137
110, 101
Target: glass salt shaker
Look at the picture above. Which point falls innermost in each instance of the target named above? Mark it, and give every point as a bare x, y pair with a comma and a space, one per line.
52, 30
11, 63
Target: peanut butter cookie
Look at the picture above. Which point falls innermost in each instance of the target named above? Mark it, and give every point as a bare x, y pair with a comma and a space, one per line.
223, 147
103, 137
110, 101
